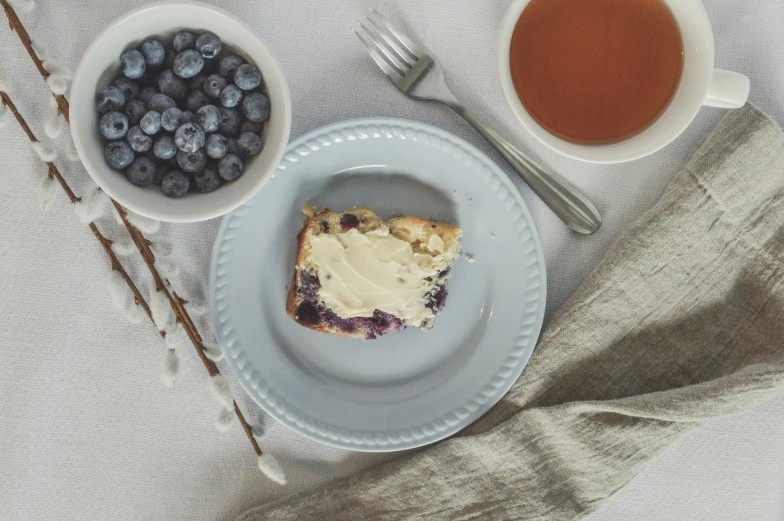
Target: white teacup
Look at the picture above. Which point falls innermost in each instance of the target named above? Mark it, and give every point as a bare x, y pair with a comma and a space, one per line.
700, 85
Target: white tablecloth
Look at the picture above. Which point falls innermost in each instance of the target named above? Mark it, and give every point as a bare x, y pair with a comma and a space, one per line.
88, 432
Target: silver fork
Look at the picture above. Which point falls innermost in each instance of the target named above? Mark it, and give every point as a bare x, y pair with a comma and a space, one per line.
420, 77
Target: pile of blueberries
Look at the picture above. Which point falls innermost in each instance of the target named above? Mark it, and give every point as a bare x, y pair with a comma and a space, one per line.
182, 116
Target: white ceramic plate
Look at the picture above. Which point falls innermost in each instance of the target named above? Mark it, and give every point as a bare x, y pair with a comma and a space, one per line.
406, 389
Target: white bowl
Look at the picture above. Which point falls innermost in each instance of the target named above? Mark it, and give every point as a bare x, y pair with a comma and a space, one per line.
100, 64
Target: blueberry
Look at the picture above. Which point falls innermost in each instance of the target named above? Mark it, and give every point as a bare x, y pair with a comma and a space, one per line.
230, 120
160, 103
188, 63
139, 141
191, 162
231, 96
135, 110
228, 65
209, 118
147, 93
247, 77
349, 221
256, 107
184, 40
232, 146
175, 184
189, 137
168, 61
164, 147
197, 82
207, 180
154, 53
214, 84
109, 99
197, 100
188, 117
209, 45
150, 77
161, 169
230, 167
173, 86
216, 146
251, 126
250, 143
114, 125
133, 64
141, 172
171, 119
118, 154
129, 87
151, 123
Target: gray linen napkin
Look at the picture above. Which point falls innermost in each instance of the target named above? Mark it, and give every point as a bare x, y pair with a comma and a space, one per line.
681, 322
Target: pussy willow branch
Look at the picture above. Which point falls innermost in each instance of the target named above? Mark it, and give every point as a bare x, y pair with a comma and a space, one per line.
106, 244
178, 306
16, 26
141, 242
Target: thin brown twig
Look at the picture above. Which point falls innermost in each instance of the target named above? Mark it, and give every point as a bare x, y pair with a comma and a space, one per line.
178, 306
142, 243
106, 244
24, 37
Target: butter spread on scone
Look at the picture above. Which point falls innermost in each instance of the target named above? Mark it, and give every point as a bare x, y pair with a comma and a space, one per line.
361, 273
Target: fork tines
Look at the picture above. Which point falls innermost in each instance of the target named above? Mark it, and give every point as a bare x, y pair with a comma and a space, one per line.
394, 53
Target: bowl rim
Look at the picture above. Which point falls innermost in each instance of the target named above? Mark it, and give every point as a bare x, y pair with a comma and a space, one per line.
282, 104
598, 154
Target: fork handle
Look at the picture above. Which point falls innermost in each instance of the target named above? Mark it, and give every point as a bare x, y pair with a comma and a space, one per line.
565, 201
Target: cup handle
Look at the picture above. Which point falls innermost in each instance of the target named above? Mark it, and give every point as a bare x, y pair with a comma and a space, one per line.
728, 90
